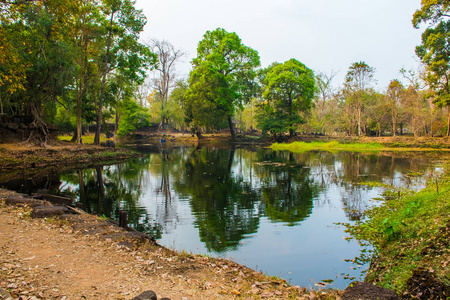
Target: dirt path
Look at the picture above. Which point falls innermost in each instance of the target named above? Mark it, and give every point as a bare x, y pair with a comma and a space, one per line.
50, 259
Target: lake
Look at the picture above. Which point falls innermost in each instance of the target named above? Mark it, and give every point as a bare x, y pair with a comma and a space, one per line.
276, 212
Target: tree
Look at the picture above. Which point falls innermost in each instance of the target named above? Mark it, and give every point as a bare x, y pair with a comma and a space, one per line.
123, 54
322, 111
134, 117
288, 90
433, 11
42, 50
434, 51
164, 81
221, 79
357, 82
394, 94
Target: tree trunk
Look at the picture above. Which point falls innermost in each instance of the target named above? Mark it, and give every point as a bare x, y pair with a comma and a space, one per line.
102, 90
448, 126
359, 121
291, 132
198, 133
83, 80
394, 129
233, 134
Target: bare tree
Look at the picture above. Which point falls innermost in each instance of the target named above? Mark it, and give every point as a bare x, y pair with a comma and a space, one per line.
325, 93
165, 72
357, 82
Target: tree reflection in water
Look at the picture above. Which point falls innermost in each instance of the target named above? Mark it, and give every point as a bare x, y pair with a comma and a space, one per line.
229, 190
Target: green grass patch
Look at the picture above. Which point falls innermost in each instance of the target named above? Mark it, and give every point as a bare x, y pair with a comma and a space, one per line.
299, 147
87, 139
408, 233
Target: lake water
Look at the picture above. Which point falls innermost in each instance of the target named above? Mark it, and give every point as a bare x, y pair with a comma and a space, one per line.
275, 212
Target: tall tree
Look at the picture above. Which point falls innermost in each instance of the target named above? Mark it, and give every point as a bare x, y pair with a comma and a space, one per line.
394, 94
288, 90
434, 51
123, 54
357, 82
165, 78
222, 75
42, 45
87, 32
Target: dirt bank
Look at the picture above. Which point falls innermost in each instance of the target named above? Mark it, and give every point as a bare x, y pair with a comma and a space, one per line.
83, 257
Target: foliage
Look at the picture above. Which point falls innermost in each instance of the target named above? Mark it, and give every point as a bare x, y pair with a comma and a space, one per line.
408, 233
357, 92
434, 51
164, 80
288, 90
134, 117
221, 79
57, 54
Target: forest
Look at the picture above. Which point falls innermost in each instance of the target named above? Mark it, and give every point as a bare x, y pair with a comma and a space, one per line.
80, 64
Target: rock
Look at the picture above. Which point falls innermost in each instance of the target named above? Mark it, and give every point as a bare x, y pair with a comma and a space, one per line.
367, 291
57, 199
5, 295
49, 211
21, 201
147, 295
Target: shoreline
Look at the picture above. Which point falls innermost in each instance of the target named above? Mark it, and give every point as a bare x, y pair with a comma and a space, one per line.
68, 155
32, 244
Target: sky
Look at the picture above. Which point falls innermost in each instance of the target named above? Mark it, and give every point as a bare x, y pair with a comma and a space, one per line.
326, 35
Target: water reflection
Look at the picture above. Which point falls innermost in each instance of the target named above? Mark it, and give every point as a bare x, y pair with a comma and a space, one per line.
236, 202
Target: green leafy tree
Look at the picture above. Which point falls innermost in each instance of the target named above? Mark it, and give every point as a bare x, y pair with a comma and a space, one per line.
133, 117
42, 45
434, 51
221, 79
123, 54
288, 90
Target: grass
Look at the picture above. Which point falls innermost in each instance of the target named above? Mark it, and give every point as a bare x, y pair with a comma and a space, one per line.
87, 139
298, 147
409, 233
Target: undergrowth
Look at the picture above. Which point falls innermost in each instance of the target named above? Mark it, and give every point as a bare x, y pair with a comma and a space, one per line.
408, 233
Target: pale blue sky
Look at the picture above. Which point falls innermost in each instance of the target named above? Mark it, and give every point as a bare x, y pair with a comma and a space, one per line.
325, 35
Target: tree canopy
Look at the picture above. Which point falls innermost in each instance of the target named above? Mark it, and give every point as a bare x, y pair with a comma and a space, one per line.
221, 77
288, 89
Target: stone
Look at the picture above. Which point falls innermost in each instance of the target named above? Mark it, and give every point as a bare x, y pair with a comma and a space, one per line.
147, 295
21, 201
59, 200
49, 211
367, 291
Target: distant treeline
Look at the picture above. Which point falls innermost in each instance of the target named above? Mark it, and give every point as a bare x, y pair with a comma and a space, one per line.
75, 63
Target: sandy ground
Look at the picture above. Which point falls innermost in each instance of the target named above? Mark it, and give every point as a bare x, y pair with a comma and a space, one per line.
50, 259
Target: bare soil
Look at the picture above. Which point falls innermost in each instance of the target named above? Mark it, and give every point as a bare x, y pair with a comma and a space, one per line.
62, 259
